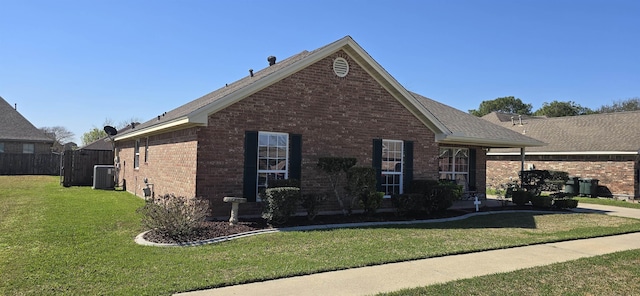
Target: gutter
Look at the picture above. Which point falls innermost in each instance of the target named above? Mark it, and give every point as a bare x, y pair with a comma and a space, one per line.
567, 153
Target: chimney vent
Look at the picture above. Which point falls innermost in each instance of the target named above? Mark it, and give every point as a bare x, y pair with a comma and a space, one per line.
272, 60
15, 106
251, 72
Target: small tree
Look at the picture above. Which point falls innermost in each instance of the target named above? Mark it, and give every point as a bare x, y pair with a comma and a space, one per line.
336, 168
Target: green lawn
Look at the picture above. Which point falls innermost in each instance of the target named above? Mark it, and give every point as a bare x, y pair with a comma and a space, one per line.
608, 202
79, 241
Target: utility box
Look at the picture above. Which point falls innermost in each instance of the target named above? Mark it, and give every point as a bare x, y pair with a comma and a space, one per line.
103, 177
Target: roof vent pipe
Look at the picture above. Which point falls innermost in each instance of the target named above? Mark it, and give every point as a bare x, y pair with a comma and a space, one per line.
251, 72
520, 119
272, 60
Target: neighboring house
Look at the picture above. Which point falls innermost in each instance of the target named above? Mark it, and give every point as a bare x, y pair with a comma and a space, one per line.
18, 135
599, 146
276, 123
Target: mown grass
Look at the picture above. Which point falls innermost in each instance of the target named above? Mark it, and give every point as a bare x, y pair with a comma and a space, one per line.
79, 241
611, 274
608, 202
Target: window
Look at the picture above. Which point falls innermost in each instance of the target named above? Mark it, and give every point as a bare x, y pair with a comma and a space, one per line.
136, 154
392, 166
28, 148
454, 165
273, 158
1, 147
146, 151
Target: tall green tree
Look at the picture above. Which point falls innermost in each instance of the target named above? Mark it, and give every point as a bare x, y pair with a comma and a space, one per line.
632, 104
92, 135
505, 104
560, 109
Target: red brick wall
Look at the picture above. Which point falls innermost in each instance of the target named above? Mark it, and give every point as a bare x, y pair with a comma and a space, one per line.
618, 173
335, 116
170, 166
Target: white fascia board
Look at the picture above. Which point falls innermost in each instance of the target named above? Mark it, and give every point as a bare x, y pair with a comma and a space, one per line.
568, 153
201, 116
457, 139
396, 89
182, 122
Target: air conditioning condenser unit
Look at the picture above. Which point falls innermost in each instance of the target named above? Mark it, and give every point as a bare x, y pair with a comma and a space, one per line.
103, 177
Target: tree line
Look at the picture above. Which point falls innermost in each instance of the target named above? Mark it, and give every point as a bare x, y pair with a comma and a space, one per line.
551, 109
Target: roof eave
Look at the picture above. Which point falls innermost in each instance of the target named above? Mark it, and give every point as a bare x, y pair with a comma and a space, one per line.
176, 124
358, 54
489, 143
568, 153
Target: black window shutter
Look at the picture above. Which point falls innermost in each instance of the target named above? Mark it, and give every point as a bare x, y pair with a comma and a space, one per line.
408, 165
472, 170
295, 156
377, 162
250, 165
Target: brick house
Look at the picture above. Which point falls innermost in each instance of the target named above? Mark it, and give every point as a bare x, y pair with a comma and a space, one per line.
598, 146
18, 135
277, 122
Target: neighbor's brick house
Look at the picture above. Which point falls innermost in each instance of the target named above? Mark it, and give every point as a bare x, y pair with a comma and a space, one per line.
277, 122
18, 135
598, 146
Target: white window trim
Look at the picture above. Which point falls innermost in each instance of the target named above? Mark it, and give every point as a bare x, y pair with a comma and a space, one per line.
401, 172
453, 171
259, 171
146, 151
136, 154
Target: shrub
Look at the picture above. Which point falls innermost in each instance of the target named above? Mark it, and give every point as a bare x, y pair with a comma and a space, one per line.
361, 186
409, 203
542, 201
520, 197
427, 196
311, 202
279, 204
275, 183
175, 217
565, 203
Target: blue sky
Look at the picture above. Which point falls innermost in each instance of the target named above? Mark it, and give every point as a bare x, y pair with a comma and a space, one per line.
77, 63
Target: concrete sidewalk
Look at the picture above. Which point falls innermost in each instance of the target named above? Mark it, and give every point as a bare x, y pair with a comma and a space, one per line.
417, 273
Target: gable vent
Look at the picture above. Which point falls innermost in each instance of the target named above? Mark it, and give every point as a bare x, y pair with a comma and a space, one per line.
340, 67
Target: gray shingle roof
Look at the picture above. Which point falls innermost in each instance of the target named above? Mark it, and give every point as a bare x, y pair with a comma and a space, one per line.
608, 132
472, 127
14, 127
450, 125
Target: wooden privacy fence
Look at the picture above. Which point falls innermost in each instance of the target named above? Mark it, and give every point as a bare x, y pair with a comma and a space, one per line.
77, 166
29, 164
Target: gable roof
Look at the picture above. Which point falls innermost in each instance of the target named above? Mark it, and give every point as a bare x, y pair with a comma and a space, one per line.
14, 127
468, 129
606, 133
195, 113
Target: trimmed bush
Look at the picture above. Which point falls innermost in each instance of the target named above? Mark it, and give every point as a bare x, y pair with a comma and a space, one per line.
520, 197
565, 203
175, 217
275, 183
279, 204
542, 201
409, 203
311, 202
427, 196
361, 186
